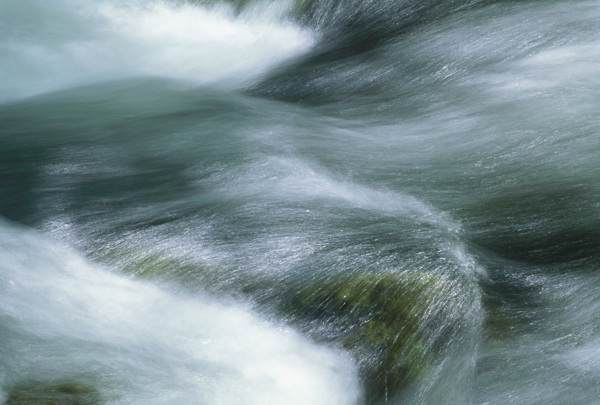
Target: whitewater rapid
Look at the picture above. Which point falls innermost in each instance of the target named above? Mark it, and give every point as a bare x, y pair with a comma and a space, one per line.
58, 44
182, 185
65, 318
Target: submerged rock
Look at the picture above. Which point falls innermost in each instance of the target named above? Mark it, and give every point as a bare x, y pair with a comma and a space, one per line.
395, 323
190, 273
54, 393
391, 322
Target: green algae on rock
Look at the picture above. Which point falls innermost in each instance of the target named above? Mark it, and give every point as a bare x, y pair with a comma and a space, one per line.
152, 264
392, 322
54, 393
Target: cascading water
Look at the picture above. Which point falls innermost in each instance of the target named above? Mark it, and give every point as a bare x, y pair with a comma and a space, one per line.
299, 202
66, 320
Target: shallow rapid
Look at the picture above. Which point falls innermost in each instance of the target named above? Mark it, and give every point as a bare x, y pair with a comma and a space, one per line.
299, 202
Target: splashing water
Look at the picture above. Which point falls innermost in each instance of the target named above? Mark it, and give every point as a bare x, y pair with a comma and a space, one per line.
66, 319
326, 202
79, 42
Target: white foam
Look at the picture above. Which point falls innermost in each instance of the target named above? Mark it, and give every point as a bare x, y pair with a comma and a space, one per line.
106, 40
293, 178
143, 345
204, 45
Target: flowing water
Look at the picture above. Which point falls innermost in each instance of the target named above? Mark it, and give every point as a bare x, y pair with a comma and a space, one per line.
172, 172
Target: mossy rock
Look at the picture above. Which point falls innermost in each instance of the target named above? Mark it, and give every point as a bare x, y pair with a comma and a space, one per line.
188, 272
394, 323
152, 265
391, 322
54, 393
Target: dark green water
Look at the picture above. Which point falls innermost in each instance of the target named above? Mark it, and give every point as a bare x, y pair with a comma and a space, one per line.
180, 184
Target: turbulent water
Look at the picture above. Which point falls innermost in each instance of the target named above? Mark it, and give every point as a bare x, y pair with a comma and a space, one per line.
172, 172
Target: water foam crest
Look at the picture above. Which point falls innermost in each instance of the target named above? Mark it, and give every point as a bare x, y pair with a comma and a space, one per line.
205, 45
295, 178
80, 320
93, 41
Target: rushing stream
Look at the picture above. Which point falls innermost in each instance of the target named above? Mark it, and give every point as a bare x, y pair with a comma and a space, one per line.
310, 202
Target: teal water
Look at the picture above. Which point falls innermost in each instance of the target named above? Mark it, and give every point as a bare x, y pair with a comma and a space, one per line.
172, 172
